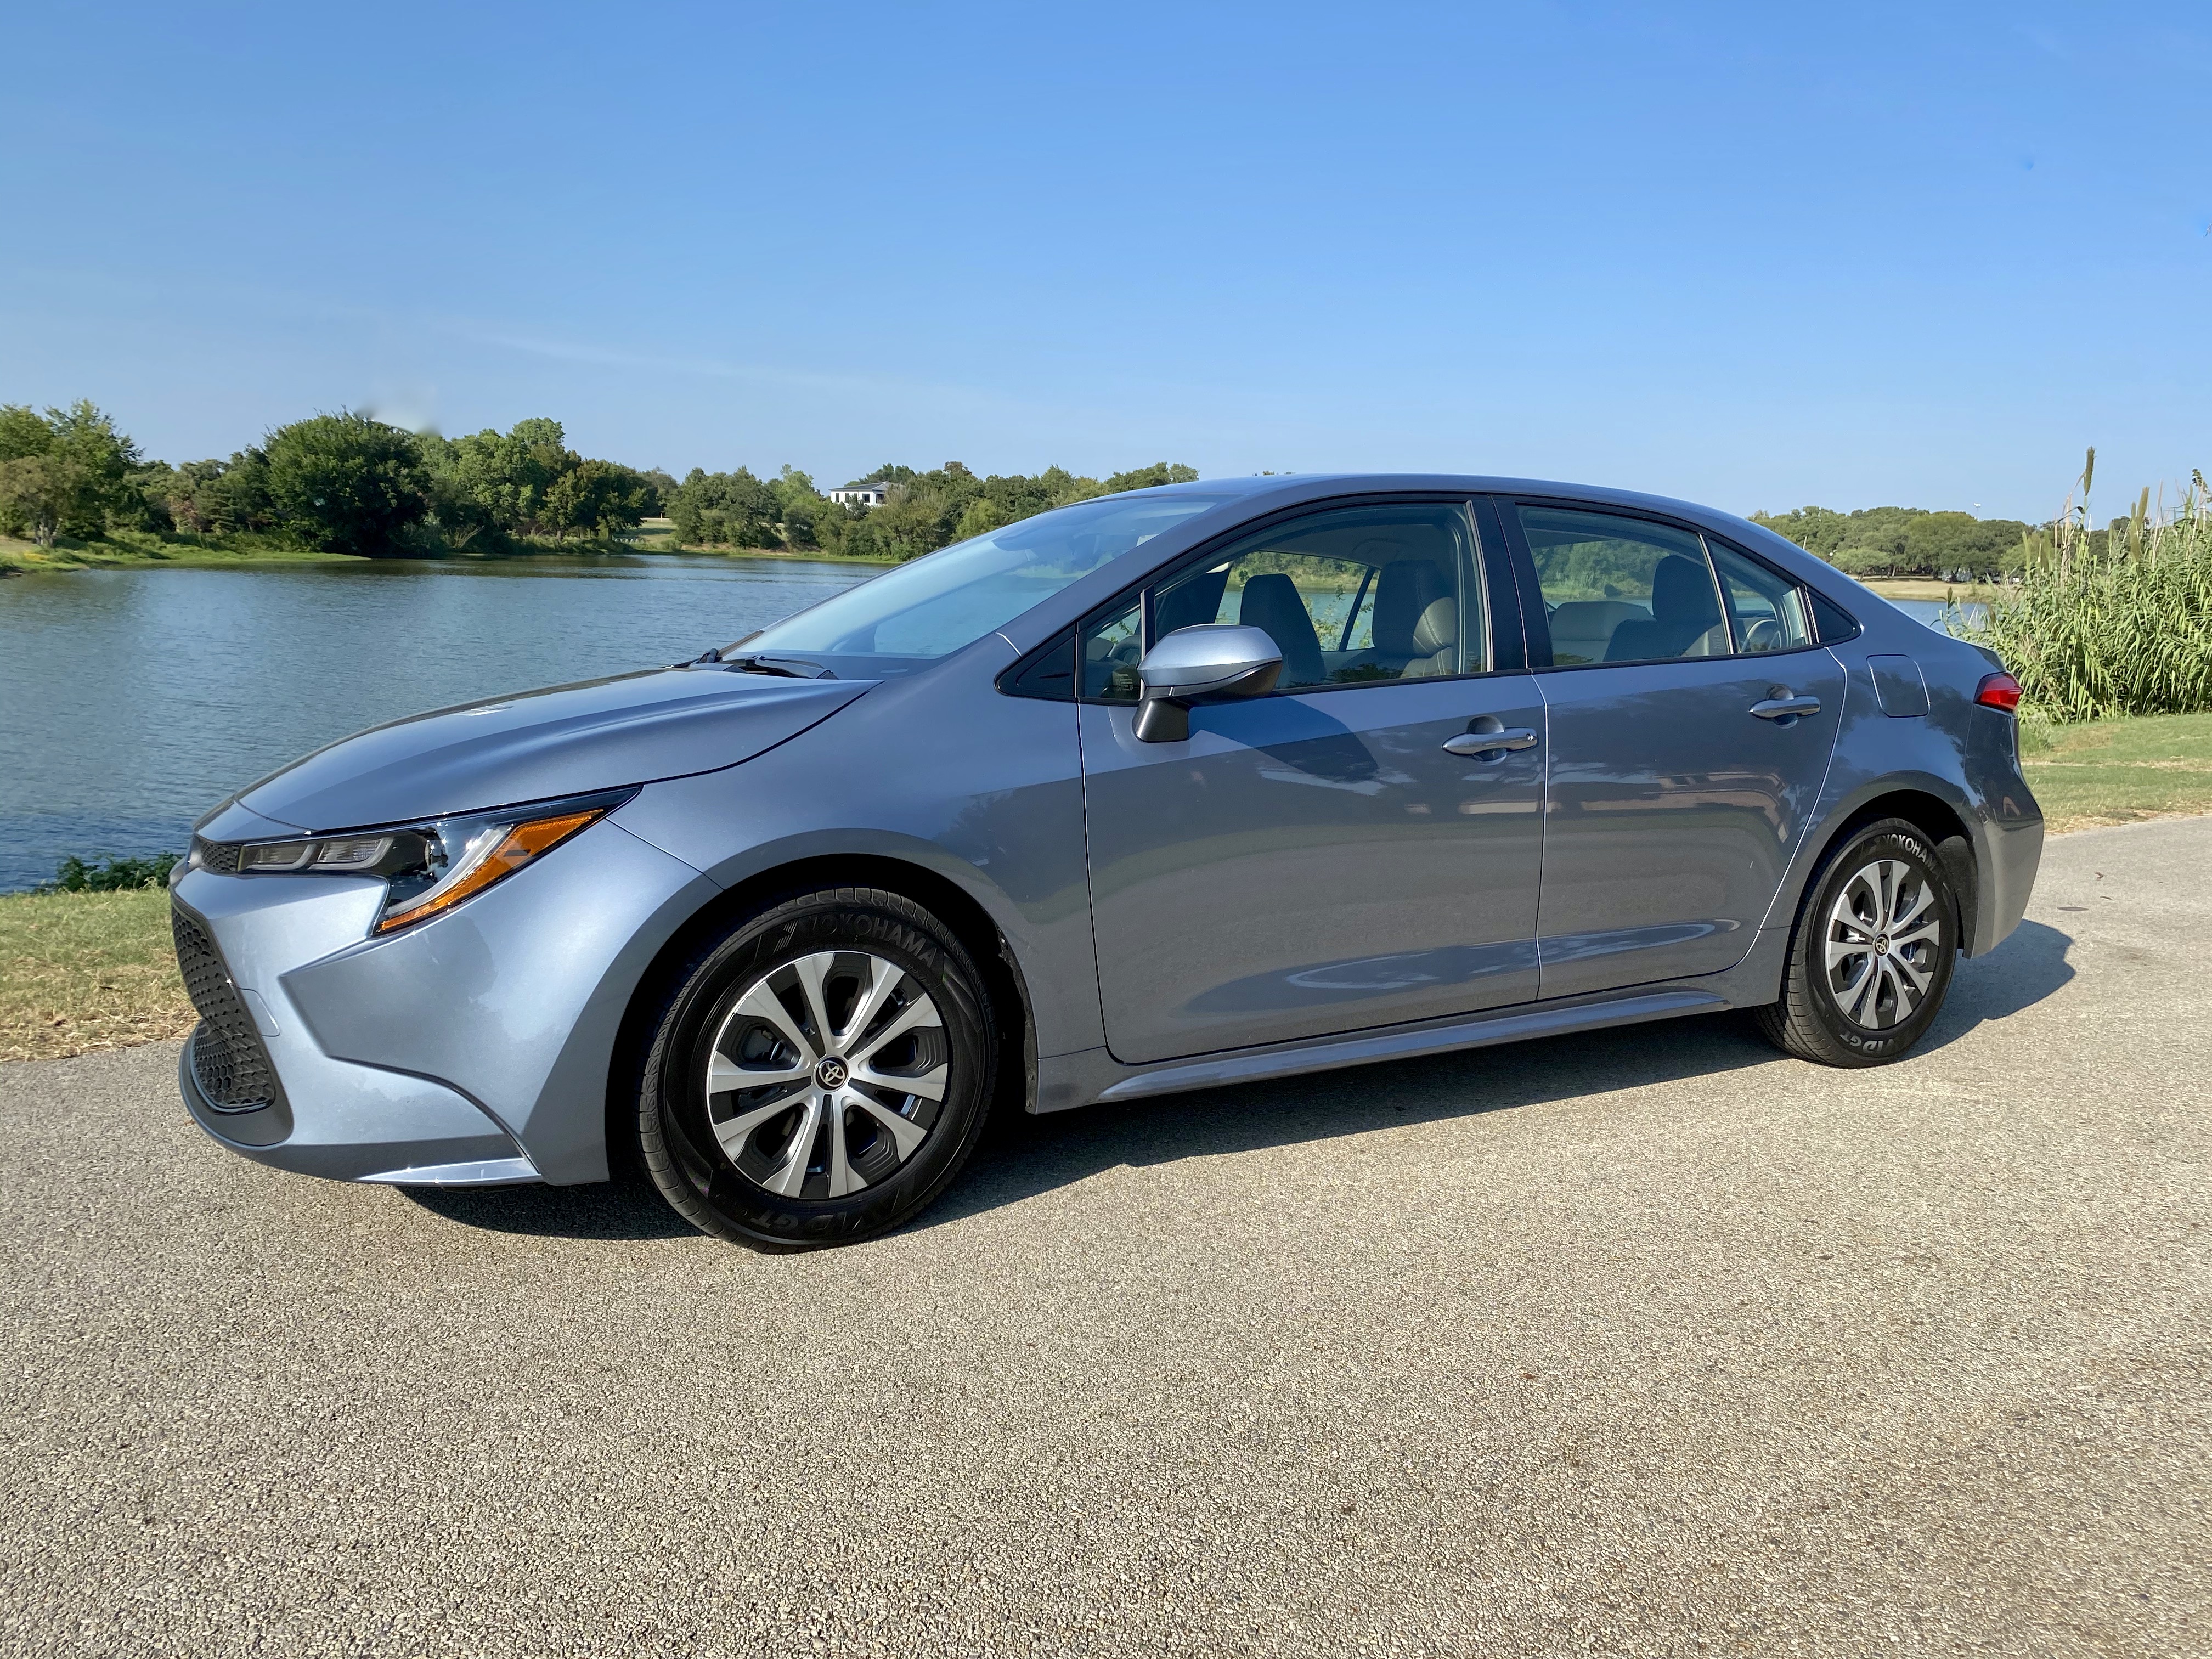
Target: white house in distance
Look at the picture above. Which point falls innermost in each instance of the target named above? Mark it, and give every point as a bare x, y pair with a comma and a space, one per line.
861, 495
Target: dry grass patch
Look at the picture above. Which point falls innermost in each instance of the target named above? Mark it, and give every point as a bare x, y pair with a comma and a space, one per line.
80, 971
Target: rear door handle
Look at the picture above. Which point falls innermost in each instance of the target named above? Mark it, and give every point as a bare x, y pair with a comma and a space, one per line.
1783, 708
1486, 742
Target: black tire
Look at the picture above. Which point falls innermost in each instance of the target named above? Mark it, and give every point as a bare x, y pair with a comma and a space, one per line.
766, 955
1834, 1016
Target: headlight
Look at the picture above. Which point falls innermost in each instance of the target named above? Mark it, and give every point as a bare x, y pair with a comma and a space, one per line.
428, 868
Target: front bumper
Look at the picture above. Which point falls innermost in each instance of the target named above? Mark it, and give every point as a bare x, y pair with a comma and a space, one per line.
471, 1050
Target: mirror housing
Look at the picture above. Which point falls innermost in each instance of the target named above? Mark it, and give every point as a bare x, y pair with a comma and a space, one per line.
1210, 662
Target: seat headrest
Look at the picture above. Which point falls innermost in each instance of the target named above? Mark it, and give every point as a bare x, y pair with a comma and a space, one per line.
1403, 594
1438, 627
1682, 592
1271, 603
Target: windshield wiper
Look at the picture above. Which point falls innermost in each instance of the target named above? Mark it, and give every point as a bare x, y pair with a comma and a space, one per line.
790, 668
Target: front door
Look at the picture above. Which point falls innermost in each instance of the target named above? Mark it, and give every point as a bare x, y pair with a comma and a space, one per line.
1680, 783
1316, 860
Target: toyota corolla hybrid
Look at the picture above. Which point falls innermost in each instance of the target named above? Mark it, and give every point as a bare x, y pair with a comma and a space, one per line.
1221, 782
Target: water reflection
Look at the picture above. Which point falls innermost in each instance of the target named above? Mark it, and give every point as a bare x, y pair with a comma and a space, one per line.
132, 700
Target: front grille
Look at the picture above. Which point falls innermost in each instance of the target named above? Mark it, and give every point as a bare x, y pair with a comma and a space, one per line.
228, 1061
220, 856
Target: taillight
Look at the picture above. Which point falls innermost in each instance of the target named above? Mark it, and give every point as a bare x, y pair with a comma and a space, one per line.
1998, 691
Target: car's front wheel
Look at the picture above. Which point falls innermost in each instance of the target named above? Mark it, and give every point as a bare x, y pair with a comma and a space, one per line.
1871, 958
820, 1073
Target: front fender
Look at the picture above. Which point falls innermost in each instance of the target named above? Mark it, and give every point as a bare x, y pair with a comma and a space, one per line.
515, 998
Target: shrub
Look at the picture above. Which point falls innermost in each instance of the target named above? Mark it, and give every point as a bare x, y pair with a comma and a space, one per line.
74, 875
2118, 623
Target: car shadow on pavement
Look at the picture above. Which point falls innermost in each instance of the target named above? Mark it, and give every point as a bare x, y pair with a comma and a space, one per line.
1024, 1157
626, 1208
1021, 1157
2021, 972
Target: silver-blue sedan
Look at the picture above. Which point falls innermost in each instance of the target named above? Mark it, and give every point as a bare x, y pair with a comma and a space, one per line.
1207, 784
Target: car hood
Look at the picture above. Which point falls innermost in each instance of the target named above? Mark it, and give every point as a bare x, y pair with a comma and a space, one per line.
565, 740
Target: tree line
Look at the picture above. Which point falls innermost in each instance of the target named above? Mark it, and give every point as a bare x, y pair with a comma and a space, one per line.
1906, 541
350, 483
338, 483
921, 512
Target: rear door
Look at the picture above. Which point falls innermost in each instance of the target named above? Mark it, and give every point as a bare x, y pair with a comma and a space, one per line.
1316, 860
1679, 782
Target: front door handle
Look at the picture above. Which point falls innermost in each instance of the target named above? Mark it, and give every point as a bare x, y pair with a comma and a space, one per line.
1785, 708
1485, 743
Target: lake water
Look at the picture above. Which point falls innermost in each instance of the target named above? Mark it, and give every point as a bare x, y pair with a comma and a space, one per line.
131, 701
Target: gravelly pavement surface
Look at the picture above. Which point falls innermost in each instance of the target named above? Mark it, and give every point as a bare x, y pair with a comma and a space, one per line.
1645, 1343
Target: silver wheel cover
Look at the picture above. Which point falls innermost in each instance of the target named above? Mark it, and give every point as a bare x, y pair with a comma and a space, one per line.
827, 1074
1882, 935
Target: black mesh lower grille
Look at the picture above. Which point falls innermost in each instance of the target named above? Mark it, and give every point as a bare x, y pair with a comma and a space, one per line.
228, 1061
220, 856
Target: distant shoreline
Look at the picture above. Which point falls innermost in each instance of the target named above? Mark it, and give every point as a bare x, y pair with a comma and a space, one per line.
19, 558
1918, 587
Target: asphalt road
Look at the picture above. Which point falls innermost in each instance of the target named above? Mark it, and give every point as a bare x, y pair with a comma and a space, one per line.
1650, 1342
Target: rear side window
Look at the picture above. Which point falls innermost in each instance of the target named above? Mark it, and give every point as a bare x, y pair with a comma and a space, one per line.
1765, 610
1618, 589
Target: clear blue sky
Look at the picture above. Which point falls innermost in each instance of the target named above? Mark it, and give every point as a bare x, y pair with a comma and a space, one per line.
1758, 255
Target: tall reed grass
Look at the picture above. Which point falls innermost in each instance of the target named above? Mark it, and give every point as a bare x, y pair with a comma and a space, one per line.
2116, 623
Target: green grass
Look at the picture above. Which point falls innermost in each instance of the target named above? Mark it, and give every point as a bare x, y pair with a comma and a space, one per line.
2116, 771
127, 550
80, 971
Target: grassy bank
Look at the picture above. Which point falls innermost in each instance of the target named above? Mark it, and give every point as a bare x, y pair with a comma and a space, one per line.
138, 550
127, 550
80, 971
1916, 587
2118, 770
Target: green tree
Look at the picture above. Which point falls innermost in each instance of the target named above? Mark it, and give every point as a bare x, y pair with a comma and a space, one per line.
66, 472
34, 497
345, 483
979, 517
499, 480
596, 497
1150, 477
23, 431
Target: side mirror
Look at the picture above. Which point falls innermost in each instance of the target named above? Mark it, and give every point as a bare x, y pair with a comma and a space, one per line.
1210, 662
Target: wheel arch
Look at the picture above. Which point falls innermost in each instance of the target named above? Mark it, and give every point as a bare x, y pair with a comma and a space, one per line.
967, 918
1947, 824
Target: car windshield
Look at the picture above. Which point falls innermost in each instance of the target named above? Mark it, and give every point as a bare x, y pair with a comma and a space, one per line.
910, 617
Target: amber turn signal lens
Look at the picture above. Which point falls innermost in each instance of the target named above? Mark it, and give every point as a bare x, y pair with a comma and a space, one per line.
521, 843
1999, 691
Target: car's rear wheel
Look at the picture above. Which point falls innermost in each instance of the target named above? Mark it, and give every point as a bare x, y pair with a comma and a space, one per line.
1870, 956
820, 1073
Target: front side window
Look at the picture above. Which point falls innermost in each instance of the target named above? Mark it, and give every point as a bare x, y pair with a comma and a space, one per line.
1350, 597
911, 615
1618, 589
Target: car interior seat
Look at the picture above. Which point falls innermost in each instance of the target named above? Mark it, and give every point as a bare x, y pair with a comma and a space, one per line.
1582, 629
1416, 619
1271, 604
1685, 611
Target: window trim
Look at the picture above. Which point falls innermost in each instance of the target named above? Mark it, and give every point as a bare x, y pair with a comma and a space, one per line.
1496, 576
1531, 590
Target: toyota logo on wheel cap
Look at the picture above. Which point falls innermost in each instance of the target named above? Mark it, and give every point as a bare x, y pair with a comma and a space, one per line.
831, 1073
